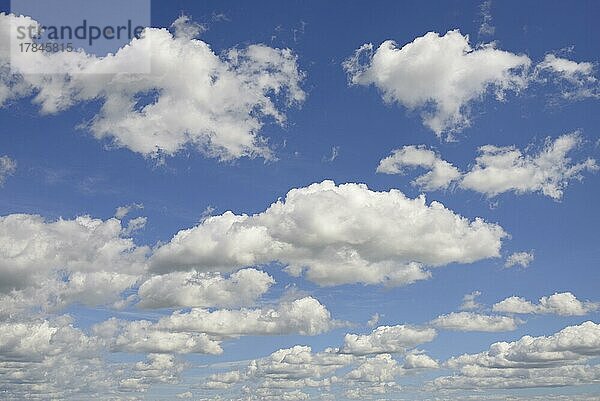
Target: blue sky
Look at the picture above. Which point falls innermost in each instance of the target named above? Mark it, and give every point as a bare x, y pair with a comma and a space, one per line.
337, 131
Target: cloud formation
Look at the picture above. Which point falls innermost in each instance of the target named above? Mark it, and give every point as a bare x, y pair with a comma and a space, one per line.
564, 304
498, 169
442, 76
556, 360
336, 234
470, 321
221, 101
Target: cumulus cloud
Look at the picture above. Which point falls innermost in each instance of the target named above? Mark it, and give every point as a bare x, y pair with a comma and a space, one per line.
419, 361
470, 321
201, 330
498, 169
306, 316
575, 80
470, 301
299, 368
564, 304
222, 101
556, 360
32, 249
522, 259
142, 336
502, 169
379, 369
7, 168
440, 174
194, 289
440, 75
387, 339
336, 234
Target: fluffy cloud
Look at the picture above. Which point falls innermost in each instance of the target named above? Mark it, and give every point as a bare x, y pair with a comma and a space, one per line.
31, 250
575, 80
440, 174
469, 321
564, 304
379, 369
142, 336
306, 316
222, 101
498, 169
522, 259
201, 330
336, 235
556, 360
387, 339
443, 72
469, 301
419, 361
193, 289
502, 169
7, 168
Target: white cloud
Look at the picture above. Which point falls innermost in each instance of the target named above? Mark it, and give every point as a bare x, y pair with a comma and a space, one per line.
439, 75
7, 168
123, 211
469, 301
33, 250
214, 103
379, 369
556, 360
502, 169
440, 174
564, 304
470, 321
420, 361
498, 169
336, 235
142, 336
306, 316
201, 330
522, 259
193, 289
575, 80
387, 339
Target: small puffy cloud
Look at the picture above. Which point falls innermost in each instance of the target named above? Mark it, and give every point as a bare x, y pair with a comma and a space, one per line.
522, 259
194, 289
440, 174
123, 211
336, 234
498, 169
546, 361
192, 97
387, 339
7, 168
575, 80
470, 321
419, 361
564, 304
378, 369
305, 316
439, 75
503, 169
469, 301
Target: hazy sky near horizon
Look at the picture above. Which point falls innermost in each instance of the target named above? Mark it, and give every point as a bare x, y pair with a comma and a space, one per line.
306, 201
